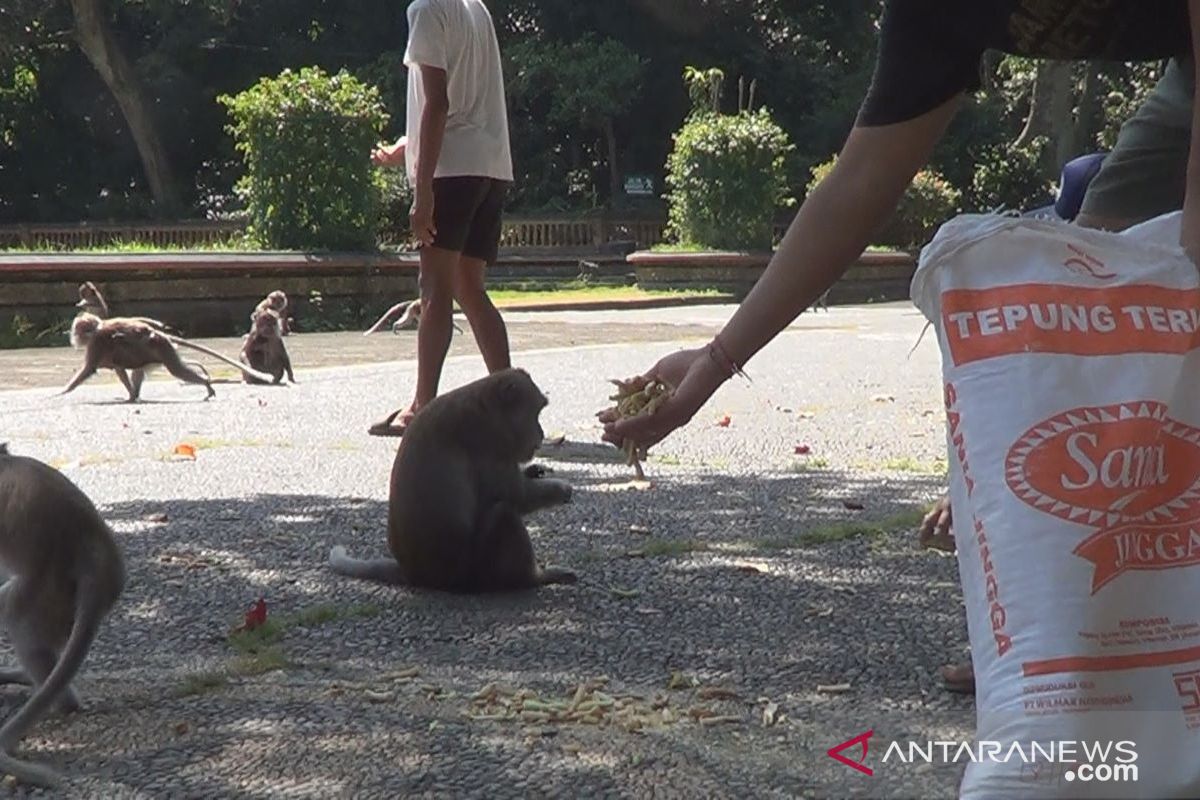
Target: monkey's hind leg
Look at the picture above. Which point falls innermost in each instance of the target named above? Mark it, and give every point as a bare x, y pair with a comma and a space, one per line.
176, 367
504, 560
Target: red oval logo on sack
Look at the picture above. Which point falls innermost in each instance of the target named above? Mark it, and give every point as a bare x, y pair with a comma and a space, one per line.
1108, 464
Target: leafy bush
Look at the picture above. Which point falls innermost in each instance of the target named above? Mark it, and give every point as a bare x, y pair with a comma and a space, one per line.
926, 205
306, 138
396, 196
1011, 178
726, 178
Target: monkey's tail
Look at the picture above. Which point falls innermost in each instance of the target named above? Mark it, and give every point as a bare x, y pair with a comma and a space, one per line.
387, 316
384, 570
245, 370
88, 615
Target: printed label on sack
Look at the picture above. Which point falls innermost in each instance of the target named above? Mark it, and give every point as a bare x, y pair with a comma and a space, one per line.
1070, 320
1127, 469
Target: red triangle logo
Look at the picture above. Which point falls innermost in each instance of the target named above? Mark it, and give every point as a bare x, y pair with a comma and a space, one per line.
835, 752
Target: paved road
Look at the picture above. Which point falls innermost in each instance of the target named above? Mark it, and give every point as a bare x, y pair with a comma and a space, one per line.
745, 568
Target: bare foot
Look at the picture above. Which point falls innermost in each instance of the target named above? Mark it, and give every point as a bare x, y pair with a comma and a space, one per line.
959, 678
935, 530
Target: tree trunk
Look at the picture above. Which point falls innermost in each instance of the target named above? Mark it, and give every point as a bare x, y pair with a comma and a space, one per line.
98, 44
1050, 105
614, 174
1062, 115
1089, 117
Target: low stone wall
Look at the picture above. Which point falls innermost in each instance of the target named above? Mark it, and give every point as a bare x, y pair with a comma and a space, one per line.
875, 277
201, 294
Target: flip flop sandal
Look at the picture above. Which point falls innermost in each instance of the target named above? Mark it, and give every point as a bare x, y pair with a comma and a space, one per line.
385, 426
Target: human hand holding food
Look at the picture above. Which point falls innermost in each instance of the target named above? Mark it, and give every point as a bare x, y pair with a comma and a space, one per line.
689, 376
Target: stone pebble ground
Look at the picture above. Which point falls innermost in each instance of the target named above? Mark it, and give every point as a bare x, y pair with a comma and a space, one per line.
749, 610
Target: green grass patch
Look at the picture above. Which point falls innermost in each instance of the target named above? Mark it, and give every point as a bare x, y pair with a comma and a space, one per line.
671, 547
202, 683
937, 467
909, 465
846, 530
268, 659
235, 243
313, 616
574, 292
204, 443
810, 464
259, 650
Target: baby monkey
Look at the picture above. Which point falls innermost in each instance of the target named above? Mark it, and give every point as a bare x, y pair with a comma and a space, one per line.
458, 493
66, 573
263, 349
276, 301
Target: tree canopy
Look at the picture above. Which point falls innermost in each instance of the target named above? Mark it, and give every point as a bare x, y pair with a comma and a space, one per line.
108, 108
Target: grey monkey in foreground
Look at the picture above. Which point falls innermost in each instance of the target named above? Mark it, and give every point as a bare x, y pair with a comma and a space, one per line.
458, 493
66, 573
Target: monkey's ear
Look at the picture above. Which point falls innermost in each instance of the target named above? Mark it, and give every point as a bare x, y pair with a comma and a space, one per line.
510, 393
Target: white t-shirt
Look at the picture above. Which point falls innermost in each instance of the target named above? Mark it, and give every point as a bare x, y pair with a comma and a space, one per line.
458, 36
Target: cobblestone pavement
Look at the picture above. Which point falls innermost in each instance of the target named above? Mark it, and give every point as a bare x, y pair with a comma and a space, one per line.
780, 595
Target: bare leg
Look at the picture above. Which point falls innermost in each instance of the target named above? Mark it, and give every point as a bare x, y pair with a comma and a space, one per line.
487, 325
434, 330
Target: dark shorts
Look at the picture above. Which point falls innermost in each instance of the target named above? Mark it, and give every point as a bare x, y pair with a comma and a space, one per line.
466, 215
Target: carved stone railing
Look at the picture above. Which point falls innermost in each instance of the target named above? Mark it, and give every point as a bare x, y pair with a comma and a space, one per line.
540, 233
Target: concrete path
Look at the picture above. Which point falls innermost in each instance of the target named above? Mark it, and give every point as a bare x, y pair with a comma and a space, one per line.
780, 595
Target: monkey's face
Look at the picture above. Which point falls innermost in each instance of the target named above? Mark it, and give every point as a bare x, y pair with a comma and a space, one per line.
267, 323
277, 300
83, 328
519, 401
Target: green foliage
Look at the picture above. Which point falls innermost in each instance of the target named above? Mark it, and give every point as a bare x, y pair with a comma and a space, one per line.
928, 202
1009, 177
704, 89
727, 178
396, 196
306, 138
564, 99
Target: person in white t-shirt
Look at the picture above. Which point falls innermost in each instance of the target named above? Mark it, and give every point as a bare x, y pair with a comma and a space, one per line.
457, 156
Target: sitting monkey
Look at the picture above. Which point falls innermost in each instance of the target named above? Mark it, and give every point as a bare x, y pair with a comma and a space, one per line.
458, 493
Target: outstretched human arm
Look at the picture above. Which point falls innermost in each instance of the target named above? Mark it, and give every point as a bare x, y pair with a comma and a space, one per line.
832, 228
1190, 234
